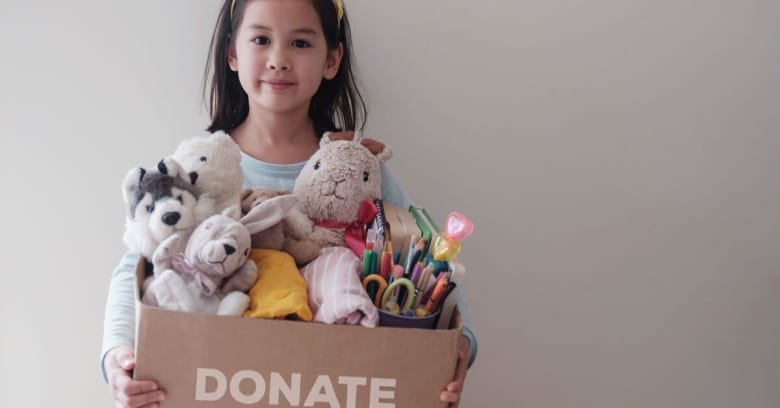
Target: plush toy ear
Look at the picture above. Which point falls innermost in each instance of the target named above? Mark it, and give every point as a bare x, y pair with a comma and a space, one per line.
173, 168
344, 135
234, 212
268, 213
378, 149
326, 138
131, 181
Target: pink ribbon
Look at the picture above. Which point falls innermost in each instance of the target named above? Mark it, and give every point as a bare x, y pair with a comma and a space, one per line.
355, 231
207, 285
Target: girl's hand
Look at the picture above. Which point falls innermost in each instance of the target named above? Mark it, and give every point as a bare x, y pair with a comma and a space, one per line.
129, 393
451, 394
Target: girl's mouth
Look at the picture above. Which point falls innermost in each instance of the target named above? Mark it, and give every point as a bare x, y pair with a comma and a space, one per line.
278, 85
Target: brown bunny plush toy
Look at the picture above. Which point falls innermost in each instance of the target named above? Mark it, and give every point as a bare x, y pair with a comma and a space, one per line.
335, 194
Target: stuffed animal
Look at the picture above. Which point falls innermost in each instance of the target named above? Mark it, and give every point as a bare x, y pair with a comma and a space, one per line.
280, 291
160, 202
335, 191
273, 237
214, 162
293, 234
212, 275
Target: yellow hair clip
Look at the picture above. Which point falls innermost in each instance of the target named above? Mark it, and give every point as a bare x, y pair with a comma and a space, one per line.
337, 3
339, 11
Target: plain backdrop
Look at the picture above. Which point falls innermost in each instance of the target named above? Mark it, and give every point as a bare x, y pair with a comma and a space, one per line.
618, 157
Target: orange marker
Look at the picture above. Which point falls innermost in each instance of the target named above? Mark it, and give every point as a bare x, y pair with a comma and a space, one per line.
438, 291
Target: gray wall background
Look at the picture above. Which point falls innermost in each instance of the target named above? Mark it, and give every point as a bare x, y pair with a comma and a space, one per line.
619, 159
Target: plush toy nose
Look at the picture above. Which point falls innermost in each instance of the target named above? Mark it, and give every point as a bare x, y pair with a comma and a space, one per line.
229, 249
171, 218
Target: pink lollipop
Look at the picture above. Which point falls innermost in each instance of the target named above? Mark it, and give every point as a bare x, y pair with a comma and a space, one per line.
447, 243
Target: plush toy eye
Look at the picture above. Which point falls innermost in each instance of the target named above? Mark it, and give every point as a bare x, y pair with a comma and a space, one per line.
317, 165
150, 208
365, 176
246, 252
181, 200
203, 159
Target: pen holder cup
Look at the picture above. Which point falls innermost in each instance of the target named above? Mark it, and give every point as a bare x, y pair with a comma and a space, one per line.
387, 319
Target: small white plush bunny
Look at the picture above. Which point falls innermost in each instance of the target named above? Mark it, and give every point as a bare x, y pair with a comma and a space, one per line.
212, 274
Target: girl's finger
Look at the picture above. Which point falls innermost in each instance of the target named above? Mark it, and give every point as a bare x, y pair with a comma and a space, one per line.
139, 387
455, 386
452, 397
118, 379
139, 400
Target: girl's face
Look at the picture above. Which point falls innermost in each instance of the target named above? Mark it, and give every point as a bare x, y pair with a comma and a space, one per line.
280, 54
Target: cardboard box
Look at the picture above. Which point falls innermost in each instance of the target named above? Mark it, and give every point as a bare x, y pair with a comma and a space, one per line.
217, 361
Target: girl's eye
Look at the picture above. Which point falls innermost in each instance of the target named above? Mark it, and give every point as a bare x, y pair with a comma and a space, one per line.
262, 40
317, 165
150, 208
300, 44
365, 176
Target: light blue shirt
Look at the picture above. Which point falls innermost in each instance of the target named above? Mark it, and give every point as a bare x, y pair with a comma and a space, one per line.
119, 324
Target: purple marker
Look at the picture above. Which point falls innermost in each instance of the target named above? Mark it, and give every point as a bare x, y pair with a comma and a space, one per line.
418, 267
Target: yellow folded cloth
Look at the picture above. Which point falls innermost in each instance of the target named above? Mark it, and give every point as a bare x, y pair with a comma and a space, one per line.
280, 290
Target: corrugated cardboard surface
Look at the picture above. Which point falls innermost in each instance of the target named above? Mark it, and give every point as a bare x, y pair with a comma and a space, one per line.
253, 362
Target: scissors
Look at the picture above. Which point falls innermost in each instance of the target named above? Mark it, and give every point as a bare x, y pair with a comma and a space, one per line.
385, 290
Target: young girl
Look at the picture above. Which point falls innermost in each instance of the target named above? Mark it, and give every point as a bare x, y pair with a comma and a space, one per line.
281, 76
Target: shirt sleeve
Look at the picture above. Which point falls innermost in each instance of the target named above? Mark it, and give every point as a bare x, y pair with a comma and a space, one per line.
119, 323
392, 191
394, 194
464, 319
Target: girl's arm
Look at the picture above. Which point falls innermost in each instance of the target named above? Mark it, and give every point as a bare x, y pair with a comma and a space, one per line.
119, 324
118, 359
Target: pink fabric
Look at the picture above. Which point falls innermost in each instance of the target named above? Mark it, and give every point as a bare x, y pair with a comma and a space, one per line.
207, 285
335, 293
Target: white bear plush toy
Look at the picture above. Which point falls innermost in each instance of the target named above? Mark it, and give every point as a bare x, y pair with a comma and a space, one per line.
214, 164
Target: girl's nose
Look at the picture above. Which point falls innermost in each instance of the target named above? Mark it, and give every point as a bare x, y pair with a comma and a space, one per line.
278, 61
280, 67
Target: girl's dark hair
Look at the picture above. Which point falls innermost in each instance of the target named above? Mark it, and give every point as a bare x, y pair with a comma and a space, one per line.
337, 104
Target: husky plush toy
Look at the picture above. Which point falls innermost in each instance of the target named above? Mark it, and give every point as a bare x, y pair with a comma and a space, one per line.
160, 202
